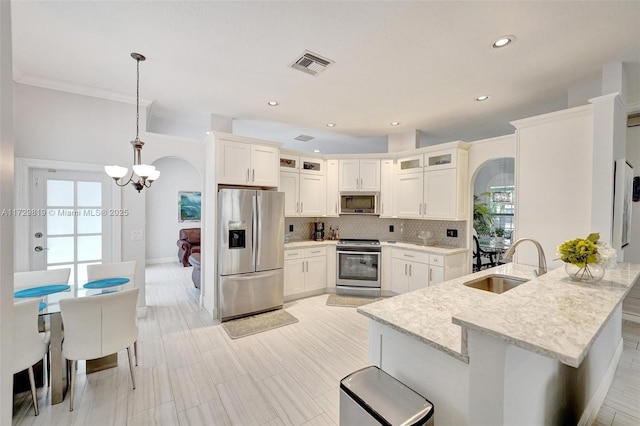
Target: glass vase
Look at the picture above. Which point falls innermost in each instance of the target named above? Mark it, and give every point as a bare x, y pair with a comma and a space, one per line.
590, 273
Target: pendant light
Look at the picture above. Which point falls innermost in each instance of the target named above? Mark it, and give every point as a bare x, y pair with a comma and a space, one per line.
142, 175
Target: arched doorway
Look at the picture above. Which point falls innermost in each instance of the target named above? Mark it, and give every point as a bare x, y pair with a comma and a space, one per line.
493, 208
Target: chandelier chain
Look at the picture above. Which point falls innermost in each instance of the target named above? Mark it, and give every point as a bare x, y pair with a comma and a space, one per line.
137, 98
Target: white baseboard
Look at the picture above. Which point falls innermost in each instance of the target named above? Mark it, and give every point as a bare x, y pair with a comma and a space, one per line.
162, 260
631, 317
593, 407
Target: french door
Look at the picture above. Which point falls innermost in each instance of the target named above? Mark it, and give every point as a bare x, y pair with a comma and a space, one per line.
71, 224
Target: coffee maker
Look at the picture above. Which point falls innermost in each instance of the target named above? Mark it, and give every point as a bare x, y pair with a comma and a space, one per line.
318, 231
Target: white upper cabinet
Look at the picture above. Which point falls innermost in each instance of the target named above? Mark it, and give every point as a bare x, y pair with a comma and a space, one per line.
245, 163
312, 195
290, 185
409, 195
302, 179
387, 188
360, 175
333, 188
264, 165
434, 186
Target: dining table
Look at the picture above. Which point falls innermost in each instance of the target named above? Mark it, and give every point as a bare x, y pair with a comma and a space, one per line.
496, 247
50, 296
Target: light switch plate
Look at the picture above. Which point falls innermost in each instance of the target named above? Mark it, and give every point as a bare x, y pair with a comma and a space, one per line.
136, 235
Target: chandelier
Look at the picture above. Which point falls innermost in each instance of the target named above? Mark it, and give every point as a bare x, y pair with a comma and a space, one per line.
142, 175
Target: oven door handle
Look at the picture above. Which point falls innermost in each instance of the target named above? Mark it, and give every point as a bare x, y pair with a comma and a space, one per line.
377, 253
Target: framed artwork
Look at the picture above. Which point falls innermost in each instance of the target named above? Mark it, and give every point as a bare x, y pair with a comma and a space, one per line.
189, 206
623, 196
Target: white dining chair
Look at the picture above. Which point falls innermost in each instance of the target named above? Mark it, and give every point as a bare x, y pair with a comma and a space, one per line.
97, 326
116, 270
29, 279
29, 345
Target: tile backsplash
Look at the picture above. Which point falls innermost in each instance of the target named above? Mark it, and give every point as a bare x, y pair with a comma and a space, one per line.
372, 227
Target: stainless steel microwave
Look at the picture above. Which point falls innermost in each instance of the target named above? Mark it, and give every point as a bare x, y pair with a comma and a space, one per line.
359, 203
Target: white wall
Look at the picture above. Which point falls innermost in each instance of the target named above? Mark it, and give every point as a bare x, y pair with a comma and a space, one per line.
6, 221
554, 167
162, 207
56, 125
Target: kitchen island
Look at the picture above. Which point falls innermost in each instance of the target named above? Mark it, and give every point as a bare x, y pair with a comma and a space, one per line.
544, 352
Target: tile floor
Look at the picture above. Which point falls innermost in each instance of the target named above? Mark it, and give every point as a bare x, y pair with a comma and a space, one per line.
191, 373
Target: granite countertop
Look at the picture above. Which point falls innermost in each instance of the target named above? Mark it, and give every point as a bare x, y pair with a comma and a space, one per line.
549, 315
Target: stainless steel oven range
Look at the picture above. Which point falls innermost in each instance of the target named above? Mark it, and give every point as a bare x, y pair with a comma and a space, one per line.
358, 271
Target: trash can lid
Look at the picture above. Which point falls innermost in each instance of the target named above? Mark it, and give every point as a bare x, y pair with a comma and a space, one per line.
387, 399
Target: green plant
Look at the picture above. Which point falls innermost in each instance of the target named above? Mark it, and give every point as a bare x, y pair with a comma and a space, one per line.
580, 251
498, 232
482, 219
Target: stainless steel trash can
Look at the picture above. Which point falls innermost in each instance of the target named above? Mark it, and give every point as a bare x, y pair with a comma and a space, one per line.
372, 397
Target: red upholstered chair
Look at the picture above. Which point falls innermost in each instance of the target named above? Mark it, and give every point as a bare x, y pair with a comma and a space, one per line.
188, 243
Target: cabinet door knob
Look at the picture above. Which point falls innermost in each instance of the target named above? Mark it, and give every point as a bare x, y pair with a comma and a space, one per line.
247, 175
409, 270
405, 269
253, 175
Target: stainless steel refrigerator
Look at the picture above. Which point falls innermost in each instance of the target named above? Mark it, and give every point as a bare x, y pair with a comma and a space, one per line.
250, 251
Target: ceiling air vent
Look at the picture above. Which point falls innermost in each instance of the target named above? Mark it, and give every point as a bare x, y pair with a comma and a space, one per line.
304, 138
311, 63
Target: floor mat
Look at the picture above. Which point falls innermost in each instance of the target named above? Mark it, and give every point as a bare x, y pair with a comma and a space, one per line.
258, 323
350, 301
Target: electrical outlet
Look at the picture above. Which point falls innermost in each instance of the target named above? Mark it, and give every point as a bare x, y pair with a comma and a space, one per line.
290, 228
452, 233
390, 228
136, 235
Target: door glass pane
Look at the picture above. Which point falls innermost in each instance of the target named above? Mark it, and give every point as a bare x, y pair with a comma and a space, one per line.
59, 192
60, 249
89, 221
90, 248
59, 221
82, 271
89, 194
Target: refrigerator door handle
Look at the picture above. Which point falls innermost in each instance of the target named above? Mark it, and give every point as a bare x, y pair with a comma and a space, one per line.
256, 230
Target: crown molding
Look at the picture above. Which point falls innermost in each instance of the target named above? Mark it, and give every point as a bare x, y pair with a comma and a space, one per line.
580, 111
78, 89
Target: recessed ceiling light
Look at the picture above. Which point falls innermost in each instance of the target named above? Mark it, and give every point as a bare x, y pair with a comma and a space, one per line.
273, 103
316, 150
331, 124
503, 41
395, 123
482, 98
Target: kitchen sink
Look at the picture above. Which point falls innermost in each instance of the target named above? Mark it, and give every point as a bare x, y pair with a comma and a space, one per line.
495, 283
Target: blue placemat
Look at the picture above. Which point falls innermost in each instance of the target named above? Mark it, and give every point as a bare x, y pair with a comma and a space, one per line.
41, 306
41, 291
107, 282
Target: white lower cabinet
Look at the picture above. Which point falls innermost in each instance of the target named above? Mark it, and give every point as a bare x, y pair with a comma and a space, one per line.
305, 270
412, 270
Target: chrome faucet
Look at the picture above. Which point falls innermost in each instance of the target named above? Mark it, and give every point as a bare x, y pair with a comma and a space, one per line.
542, 263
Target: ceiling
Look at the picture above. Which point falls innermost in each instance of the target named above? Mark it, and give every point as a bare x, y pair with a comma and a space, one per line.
419, 63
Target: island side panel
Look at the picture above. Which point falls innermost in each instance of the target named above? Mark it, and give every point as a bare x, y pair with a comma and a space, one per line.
440, 378
510, 385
